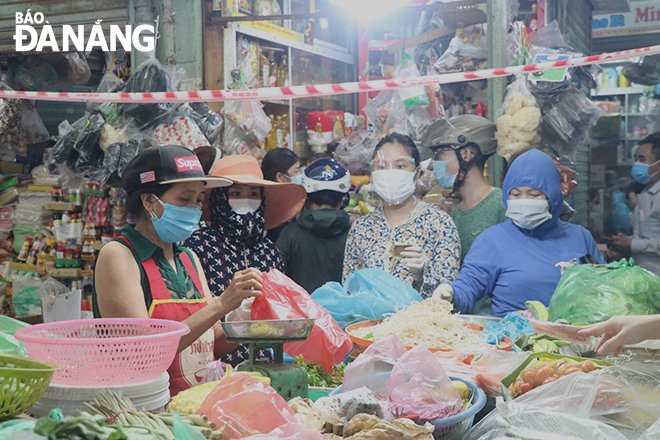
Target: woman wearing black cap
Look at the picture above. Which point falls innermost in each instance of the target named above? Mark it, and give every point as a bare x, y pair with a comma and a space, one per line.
144, 273
281, 165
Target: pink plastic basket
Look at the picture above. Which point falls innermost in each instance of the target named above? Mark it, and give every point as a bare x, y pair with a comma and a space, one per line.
105, 352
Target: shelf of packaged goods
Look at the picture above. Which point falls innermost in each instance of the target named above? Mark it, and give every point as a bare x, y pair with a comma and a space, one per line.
619, 91
286, 37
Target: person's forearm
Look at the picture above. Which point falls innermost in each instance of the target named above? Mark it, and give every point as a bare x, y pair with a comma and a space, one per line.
646, 327
221, 344
201, 321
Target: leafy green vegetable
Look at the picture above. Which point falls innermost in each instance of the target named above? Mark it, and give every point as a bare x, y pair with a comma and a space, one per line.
369, 336
318, 377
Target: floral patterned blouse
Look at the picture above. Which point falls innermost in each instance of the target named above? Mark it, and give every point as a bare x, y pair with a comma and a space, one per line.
370, 243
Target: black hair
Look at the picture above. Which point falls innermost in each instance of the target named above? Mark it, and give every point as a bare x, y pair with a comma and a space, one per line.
327, 197
479, 159
401, 139
278, 160
135, 208
654, 140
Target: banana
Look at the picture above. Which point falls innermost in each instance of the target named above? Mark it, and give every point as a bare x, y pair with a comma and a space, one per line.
538, 310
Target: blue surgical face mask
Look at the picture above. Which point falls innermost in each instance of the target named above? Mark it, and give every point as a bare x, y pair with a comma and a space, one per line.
298, 179
176, 223
440, 170
640, 172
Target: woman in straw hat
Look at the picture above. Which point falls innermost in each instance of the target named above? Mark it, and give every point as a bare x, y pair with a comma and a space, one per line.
240, 215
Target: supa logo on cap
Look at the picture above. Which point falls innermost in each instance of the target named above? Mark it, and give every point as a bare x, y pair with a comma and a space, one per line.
189, 163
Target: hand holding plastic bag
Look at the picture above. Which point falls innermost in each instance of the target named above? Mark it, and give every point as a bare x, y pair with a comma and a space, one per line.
246, 406
282, 298
420, 389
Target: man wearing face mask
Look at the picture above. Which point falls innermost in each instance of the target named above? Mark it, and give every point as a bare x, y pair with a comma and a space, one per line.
644, 245
516, 261
461, 146
410, 239
144, 273
240, 215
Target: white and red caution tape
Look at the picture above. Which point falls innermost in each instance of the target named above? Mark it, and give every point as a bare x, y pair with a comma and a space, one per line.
296, 92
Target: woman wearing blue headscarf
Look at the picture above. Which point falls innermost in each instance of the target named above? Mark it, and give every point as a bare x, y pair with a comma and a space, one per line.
517, 260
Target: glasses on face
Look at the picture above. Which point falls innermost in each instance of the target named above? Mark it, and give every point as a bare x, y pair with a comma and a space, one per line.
403, 163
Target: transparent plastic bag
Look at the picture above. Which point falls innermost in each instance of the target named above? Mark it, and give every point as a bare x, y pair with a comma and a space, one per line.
149, 76
387, 113
33, 73
486, 366
26, 297
246, 406
618, 402
206, 119
73, 69
33, 130
368, 294
419, 388
464, 53
180, 129
282, 298
415, 96
589, 293
109, 83
250, 117
10, 126
518, 127
373, 367
78, 148
356, 152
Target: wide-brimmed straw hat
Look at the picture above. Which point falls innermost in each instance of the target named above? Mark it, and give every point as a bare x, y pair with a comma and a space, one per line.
283, 201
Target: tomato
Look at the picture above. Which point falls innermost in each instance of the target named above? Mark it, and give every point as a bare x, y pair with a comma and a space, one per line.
526, 387
587, 366
531, 377
505, 344
468, 359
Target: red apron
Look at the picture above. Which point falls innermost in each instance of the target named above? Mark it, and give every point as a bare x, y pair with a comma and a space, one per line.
189, 366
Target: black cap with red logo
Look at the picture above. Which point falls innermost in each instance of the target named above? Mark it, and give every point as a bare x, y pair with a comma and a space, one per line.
167, 164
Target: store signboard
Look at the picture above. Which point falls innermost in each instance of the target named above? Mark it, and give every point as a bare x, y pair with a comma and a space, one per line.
643, 18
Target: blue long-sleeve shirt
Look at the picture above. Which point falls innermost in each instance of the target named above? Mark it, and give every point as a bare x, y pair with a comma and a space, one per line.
514, 265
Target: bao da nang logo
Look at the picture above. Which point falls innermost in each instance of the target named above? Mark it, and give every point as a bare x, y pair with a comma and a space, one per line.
80, 38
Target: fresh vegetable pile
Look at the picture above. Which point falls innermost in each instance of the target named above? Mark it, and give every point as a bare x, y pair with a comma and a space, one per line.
547, 370
318, 377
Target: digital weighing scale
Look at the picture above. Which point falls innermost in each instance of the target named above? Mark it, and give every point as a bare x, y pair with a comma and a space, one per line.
289, 380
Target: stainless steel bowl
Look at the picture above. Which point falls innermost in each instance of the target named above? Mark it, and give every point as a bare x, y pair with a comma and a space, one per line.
285, 330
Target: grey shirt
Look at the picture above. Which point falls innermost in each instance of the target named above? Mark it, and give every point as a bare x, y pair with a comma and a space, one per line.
645, 245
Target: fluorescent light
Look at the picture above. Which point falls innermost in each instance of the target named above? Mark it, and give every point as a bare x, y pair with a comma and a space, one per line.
369, 10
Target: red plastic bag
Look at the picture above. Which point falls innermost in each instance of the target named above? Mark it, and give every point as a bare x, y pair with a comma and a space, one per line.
282, 298
372, 368
246, 406
419, 388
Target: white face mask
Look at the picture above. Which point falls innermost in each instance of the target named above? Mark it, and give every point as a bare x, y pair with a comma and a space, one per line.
528, 213
393, 186
244, 206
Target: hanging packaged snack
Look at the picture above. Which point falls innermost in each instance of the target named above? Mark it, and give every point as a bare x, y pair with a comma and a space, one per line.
206, 119
10, 124
414, 96
387, 113
110, 83
33, 130
517, 128
78, 146
466, 51
149, 76
179, 130
73, 69
33, 73
117, 156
